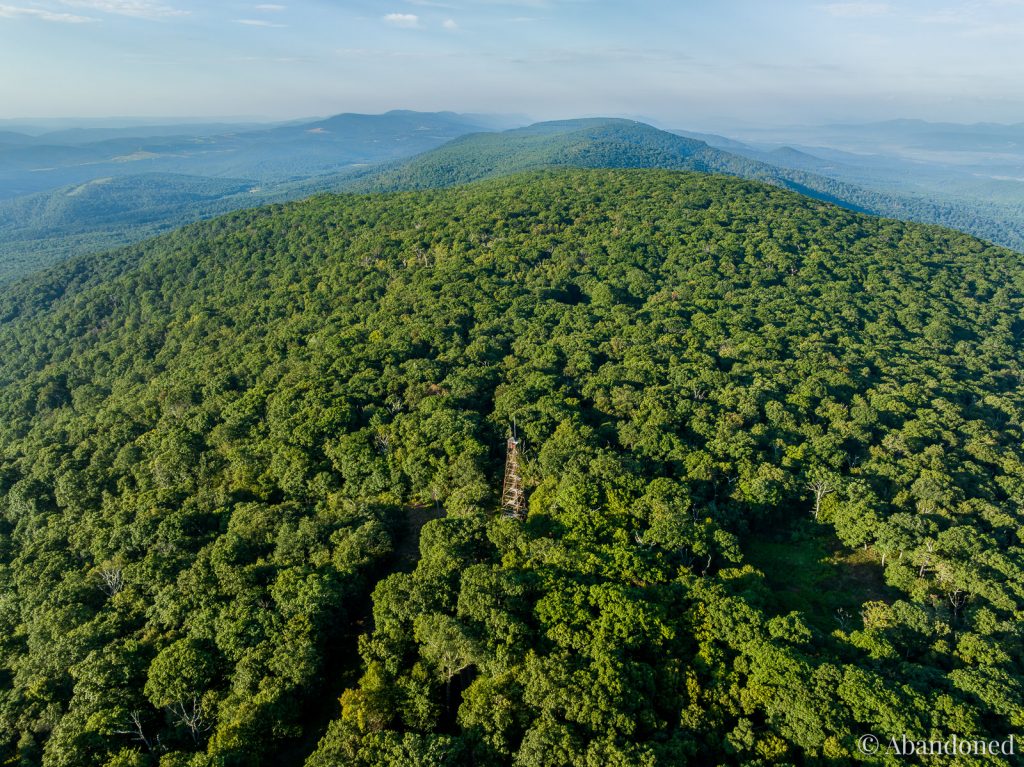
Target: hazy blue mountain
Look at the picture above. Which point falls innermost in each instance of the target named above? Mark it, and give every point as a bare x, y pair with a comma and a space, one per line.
10, 137
889, 172
946, 137
325, 146
713, 139
270, 154
977, 167
938, 156
90, 135
898, 134
35, 126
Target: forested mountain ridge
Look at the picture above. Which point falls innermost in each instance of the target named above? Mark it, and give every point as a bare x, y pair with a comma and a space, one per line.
605, 143
209, 444
268, 154
373, 153
587, 143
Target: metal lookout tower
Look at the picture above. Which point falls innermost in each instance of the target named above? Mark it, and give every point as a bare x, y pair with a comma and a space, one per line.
513, 501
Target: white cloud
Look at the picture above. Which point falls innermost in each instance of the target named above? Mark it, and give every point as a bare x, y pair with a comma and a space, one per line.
530, 3
270, 8
857, 10
450, 24
258, 23
980, 20
407, 20
142, 9
13, 12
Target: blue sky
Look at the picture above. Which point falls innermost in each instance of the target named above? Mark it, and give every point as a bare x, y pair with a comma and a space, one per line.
706, 64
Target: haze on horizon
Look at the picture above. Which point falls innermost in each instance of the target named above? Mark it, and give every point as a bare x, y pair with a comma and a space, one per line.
696, 65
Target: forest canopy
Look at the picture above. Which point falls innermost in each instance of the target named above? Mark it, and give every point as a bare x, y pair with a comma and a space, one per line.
250, 475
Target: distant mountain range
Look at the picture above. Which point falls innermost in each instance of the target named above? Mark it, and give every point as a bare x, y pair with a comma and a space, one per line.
270, 154
103, 199
905, 134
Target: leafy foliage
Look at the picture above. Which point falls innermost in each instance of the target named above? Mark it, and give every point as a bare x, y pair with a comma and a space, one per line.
210, 441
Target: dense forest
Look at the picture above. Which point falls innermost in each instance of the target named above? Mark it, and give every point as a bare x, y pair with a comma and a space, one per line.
250, 476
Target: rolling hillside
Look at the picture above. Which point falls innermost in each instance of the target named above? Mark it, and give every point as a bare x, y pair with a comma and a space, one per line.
250, 475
